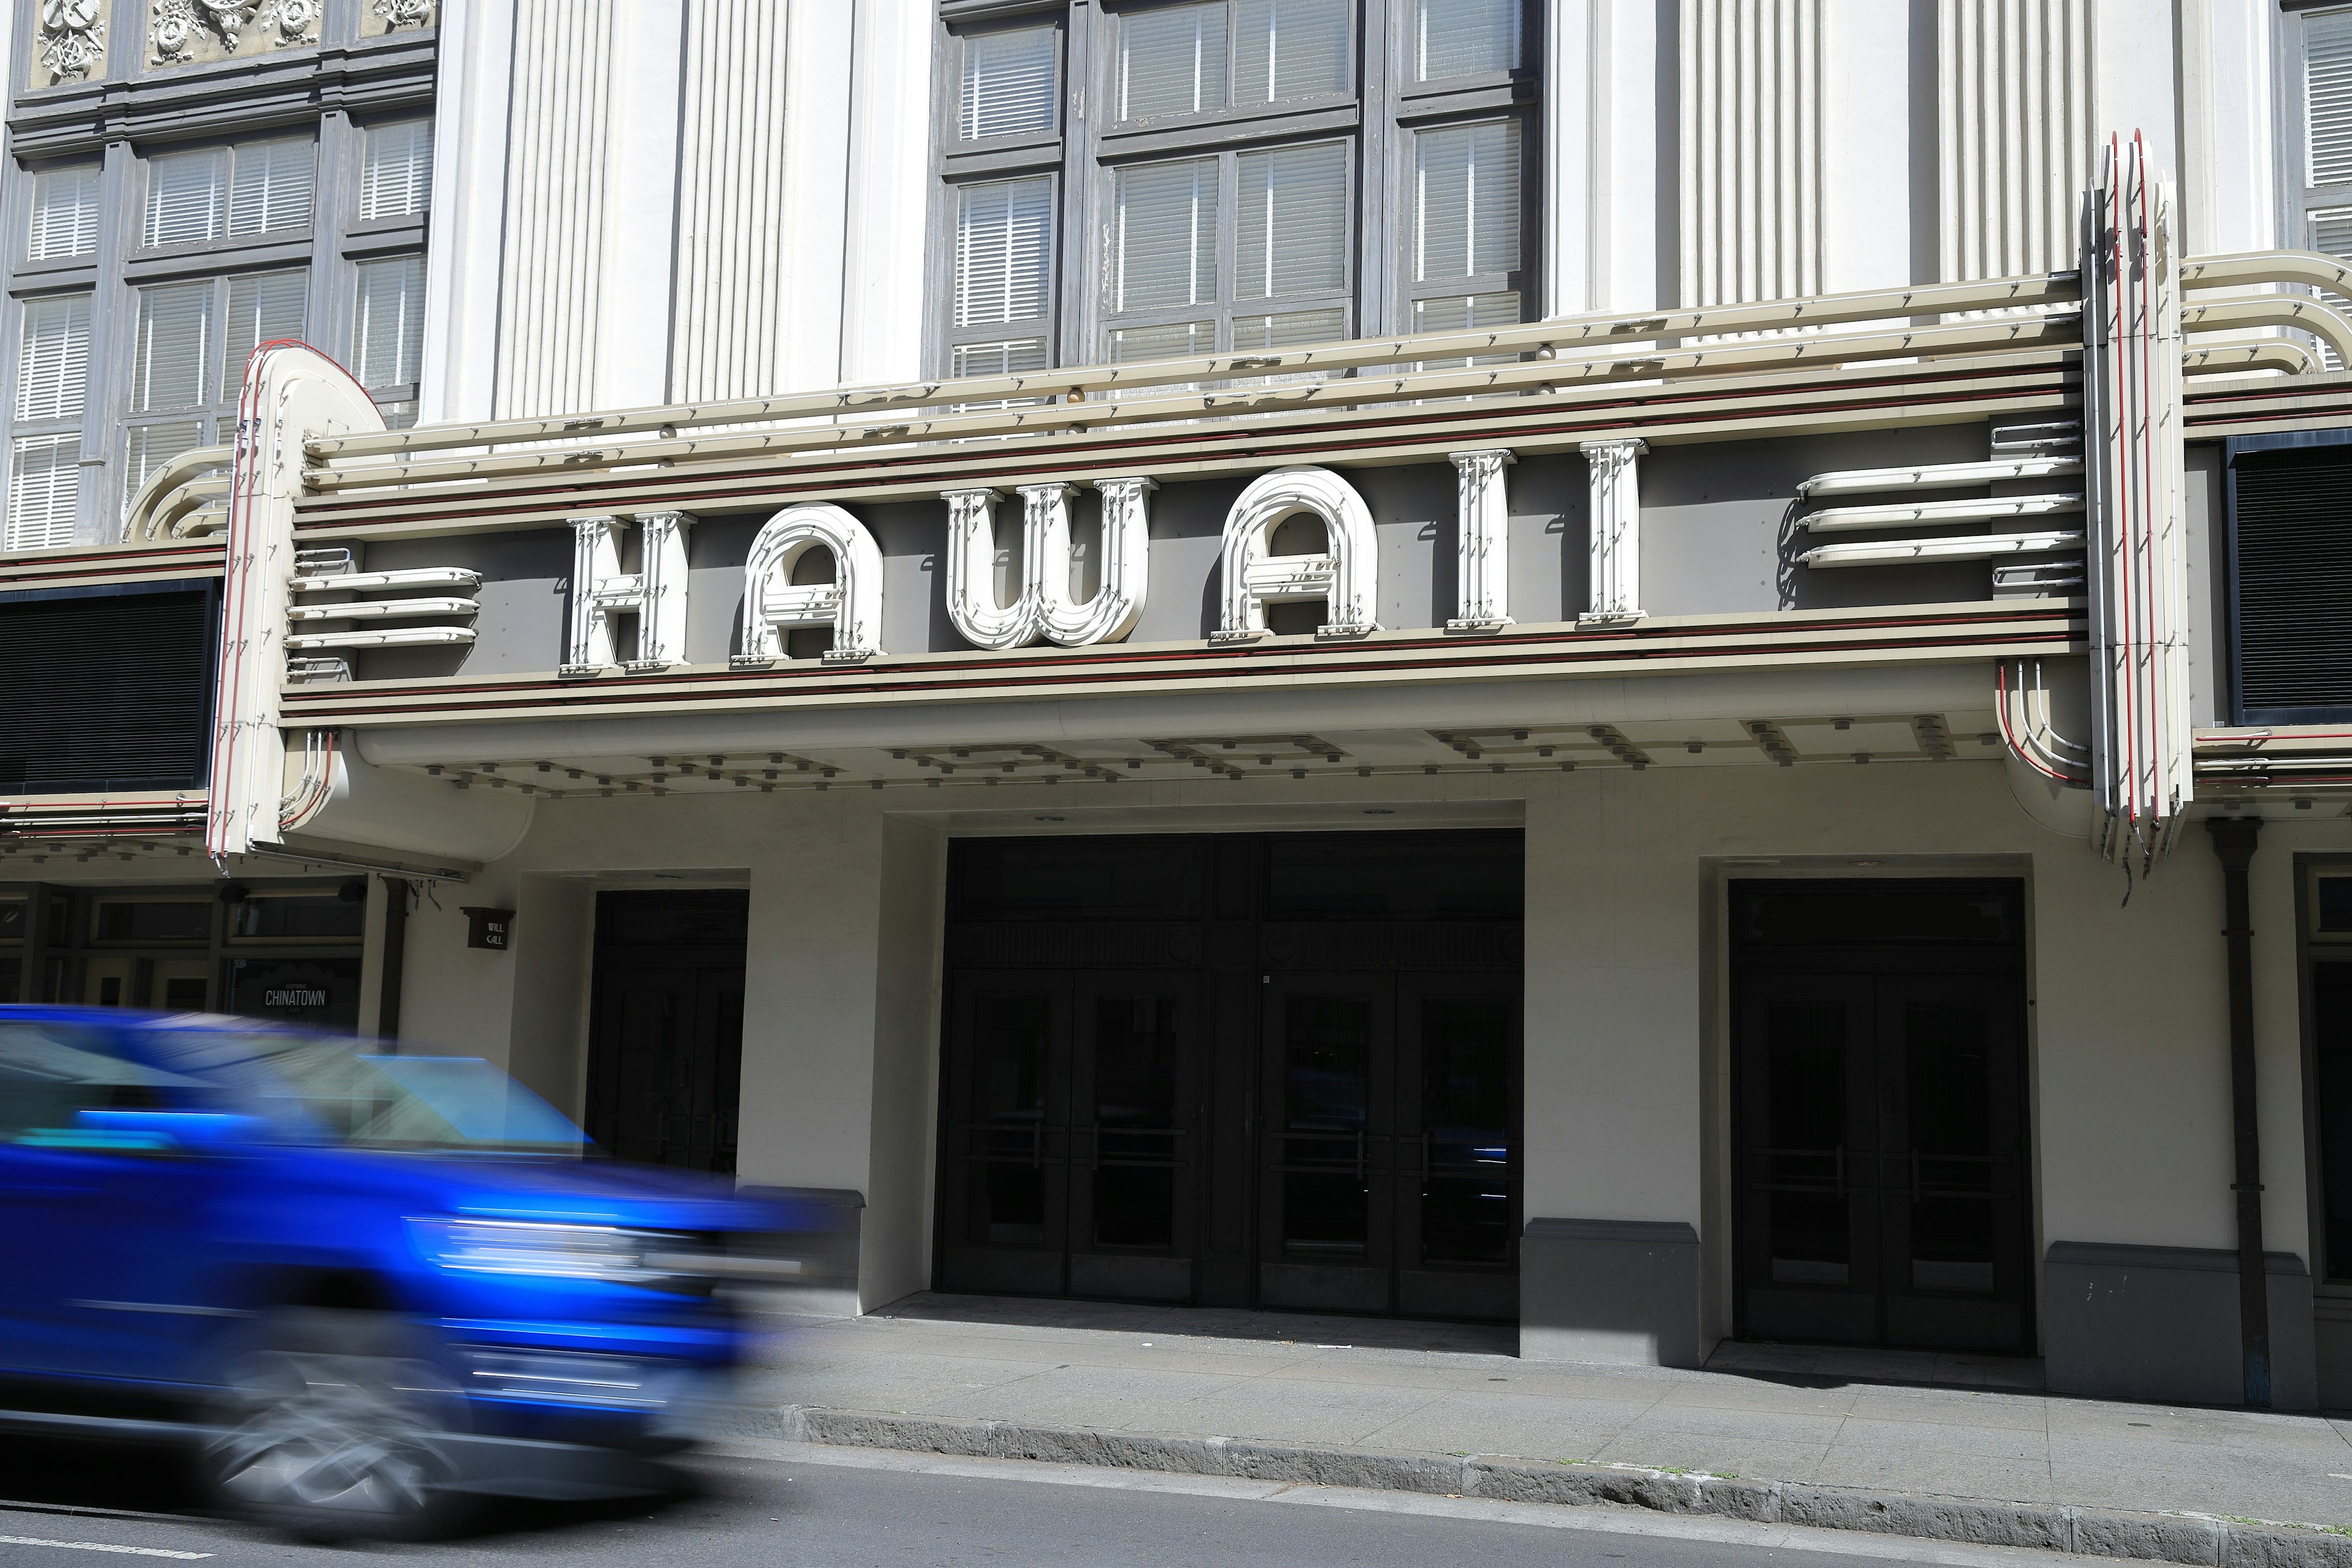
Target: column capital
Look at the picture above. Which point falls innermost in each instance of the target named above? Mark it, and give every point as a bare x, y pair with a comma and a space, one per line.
1631, 446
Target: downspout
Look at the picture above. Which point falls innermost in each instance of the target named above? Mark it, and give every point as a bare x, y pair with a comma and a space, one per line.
2234, 841
396, 962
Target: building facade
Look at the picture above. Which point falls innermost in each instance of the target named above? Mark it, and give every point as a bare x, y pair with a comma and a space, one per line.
1668, 672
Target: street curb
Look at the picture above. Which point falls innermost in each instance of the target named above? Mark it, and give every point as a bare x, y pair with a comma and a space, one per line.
2092, 1533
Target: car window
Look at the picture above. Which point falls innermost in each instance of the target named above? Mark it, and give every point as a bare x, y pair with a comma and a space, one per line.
50, 1073
317, 1089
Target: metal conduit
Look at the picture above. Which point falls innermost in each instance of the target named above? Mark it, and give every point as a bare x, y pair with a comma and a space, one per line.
1976, 337
1615, 330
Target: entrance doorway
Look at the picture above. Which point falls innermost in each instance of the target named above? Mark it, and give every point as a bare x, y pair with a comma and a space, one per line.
1238, 1070
1880, 1124
666, 1039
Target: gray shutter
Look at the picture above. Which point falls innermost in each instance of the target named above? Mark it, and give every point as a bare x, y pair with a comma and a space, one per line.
1004, 252
170, 358
1008, 82
44, 479
64, 214
1289, 49
1466, 37
187, 196
396, 170
1172, 61
2328, 96
53, 363
261, 307
1166, 248
388, 323
270, 186
1467, 200
1291, 228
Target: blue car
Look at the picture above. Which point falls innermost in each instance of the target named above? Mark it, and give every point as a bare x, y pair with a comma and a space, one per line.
363, 1287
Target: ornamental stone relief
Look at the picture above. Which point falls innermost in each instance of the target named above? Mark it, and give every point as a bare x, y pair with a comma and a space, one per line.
70, 45
183, 32
383, 17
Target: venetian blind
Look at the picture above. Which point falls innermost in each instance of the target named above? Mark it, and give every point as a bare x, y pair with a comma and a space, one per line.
1172, 61
388, 322
44, 479
187, 196
396, 170
1467, 200
1289, 49
147, 447
1166, 215
171, 349
262, 309
1008, 82
64, 214
1004, 252
1465, 38
2327, 95
2293, 534
1290, 231
270, 186
53, 362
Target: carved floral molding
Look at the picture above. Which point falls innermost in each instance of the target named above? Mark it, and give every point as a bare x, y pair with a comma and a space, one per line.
71, 41
185, 30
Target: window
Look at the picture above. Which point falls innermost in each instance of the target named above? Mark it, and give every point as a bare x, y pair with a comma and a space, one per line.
2288, 507
64, 214
1198, 58
255, 188
189, 343
1003, 276
388, 334
1008, 83
2321, 45
1465, 226
262, 308
1241, 185
396, 170
1174, 291
52, 389
1465, 38
53, 369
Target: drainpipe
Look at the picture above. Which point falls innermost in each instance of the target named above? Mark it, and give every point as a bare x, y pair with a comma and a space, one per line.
395, 961
2234, 841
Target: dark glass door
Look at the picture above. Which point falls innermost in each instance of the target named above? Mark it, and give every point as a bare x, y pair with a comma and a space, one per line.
1881, 1160
1389, 1179
1070, 1111
666, 1042
1328, 1172
1240, 1071
1458, 1099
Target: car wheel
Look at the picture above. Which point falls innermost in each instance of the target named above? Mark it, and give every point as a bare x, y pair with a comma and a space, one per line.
325, 1429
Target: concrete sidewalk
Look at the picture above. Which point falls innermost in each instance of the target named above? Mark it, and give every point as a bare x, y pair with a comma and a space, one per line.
1438, 1396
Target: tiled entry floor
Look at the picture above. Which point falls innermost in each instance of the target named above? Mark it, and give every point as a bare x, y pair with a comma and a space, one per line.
1767, 1412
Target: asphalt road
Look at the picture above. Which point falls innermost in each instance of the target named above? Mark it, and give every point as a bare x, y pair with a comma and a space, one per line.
779, 1506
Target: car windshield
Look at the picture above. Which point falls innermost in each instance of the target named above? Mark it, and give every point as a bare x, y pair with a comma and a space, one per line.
298, 1088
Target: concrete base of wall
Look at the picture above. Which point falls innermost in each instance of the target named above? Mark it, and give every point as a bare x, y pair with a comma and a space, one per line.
2332, 1332
827, 1223
1620, 1291
2160, 1323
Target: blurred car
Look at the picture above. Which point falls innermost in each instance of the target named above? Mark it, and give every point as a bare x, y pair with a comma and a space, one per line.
362, 1287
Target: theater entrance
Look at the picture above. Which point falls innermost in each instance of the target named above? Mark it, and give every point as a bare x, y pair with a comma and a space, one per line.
1879, 1125
666, 1033
1275, 1070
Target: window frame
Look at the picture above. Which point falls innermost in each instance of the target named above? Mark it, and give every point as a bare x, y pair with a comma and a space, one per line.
1378, 118
2299, 201
217, 415
1226, 305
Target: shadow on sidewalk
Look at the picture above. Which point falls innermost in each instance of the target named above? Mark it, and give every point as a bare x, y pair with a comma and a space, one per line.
1060, 1313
